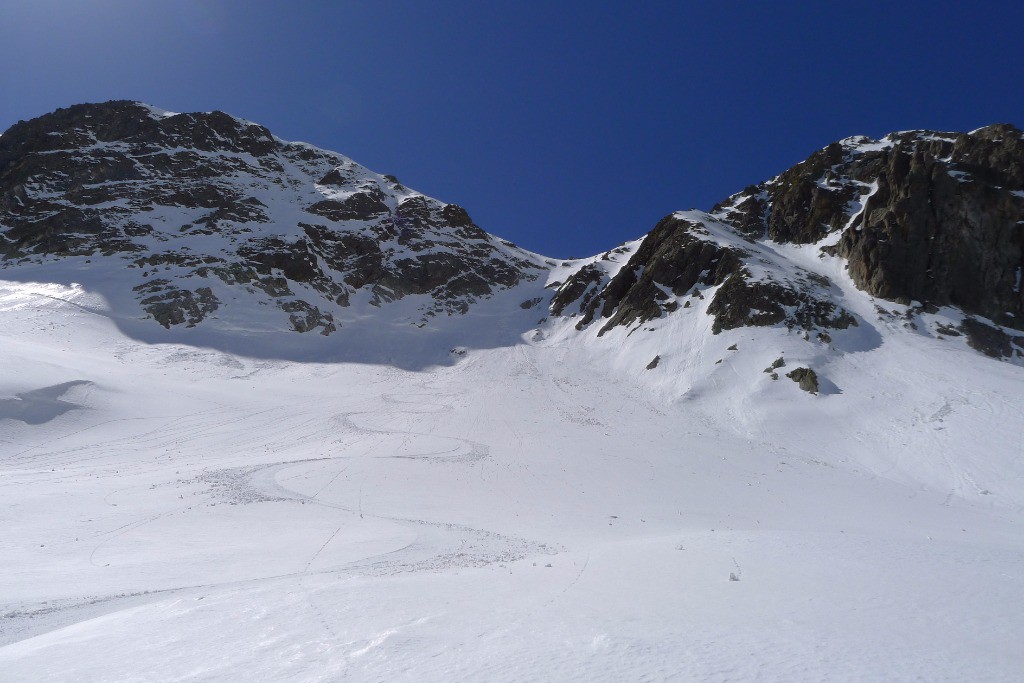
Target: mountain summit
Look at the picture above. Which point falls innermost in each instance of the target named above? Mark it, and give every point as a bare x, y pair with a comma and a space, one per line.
205, 220
201, 210
263, 410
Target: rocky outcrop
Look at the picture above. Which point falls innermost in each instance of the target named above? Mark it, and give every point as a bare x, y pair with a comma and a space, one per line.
936, 218
806, 378
687, 254
203, 207
740, 302
171, 306
920, 216
671, 261
201, 210
989, 340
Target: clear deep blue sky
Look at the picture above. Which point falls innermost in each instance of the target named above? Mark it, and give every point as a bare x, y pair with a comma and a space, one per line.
567, 127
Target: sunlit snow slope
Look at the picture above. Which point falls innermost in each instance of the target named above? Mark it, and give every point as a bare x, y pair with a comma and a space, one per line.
594, 469
530, 512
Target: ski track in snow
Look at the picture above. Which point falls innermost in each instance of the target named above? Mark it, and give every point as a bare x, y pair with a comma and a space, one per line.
440, 545
547, 511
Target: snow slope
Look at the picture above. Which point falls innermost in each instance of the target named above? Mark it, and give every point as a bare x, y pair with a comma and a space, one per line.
539, 510
206, 229
488, 465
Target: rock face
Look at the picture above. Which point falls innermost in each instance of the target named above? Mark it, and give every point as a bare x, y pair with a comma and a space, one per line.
197, 213
920, 216
936, 218
687, 254
989, 340
201, 208
806, 378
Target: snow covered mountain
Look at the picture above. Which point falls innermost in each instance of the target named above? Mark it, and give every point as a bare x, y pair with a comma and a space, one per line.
208, 220
263, 410
936, 219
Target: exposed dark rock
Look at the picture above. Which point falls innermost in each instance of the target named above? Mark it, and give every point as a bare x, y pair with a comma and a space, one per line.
305, 317
114, 178
673, 256
751, 217
360, 206
803, 210
991, 341
654, 362
455, 215
740, 302
681, 256
924, 217
942, 218
578, 288
338, 176
806, 378
181, 306
530, 303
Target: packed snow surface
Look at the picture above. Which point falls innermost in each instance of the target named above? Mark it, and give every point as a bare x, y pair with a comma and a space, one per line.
539, 510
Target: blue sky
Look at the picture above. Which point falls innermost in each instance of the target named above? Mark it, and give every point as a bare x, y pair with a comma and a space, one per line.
568, 127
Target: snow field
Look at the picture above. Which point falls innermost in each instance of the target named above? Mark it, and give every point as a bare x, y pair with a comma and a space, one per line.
547, 510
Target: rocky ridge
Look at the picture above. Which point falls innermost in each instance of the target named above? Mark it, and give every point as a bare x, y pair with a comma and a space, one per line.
690, 253
205, 207
920, 218
203, 210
